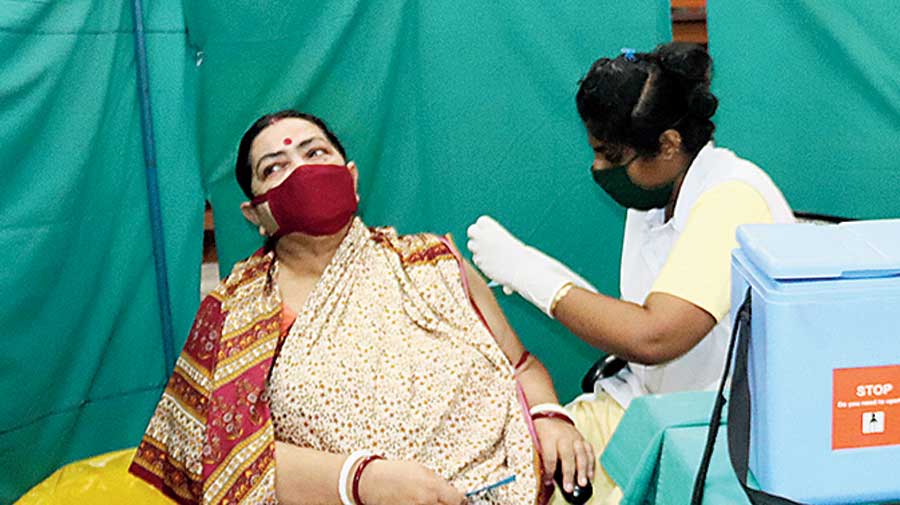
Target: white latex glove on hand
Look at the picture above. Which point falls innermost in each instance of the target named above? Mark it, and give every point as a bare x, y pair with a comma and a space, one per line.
519, 267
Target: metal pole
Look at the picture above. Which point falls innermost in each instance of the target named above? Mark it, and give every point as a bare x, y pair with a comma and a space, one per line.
156, 227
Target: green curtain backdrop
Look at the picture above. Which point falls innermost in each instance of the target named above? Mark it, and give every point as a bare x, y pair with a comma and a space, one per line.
82, 365
451, 110
809, 90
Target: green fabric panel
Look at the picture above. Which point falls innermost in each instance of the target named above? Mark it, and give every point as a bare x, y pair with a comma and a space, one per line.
450, 109
679, 460
632, 454
808, 90
83, 364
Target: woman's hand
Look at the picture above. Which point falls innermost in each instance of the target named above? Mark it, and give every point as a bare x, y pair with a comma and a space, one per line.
560, 441
386, 482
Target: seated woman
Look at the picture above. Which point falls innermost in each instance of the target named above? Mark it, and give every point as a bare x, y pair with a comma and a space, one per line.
337, 344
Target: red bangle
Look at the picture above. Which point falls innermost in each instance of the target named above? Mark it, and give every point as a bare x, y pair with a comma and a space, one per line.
358, 475
522, 360
552, 415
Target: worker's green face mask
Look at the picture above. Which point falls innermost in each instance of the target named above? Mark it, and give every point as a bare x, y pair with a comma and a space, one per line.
616, 182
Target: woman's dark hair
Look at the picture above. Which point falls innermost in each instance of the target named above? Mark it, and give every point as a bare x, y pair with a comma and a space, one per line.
631, 99
242, 168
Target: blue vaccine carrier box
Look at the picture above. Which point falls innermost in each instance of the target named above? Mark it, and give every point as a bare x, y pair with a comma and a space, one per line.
824, 358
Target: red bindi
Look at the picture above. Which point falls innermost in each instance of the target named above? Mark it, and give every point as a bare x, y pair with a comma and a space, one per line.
287, 141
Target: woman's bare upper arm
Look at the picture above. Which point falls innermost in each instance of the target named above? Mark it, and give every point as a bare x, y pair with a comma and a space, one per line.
486, 302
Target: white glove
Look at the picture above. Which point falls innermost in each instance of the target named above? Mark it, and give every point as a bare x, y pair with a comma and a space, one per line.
521, 268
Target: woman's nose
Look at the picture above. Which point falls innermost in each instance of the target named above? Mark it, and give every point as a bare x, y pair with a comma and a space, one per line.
295, 160
293, 164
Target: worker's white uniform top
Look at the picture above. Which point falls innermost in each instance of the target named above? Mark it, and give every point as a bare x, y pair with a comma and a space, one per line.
689, 256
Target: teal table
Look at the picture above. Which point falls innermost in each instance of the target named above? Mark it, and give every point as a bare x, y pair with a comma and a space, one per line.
655, 452
682, 449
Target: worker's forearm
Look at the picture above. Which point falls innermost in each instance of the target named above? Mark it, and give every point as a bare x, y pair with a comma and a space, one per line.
306, 476
614, 326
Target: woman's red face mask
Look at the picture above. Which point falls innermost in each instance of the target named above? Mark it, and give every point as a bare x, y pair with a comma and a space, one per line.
315, 200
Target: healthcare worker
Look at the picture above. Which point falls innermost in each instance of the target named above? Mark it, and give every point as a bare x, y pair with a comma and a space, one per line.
647, 117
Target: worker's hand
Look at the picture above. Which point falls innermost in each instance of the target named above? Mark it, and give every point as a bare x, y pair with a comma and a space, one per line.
514, 265
386, 482
560, 441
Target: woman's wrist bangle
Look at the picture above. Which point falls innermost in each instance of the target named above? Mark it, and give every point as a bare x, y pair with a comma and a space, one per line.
541, 410
563, 291
358, 475
351, 460
553, 415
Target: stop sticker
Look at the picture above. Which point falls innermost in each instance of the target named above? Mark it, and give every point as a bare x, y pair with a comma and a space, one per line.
866, 407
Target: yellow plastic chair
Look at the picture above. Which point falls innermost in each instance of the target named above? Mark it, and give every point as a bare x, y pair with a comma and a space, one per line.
102, 479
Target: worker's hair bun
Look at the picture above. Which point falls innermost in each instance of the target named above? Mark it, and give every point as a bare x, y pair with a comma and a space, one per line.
702, 103
690, 66
690, 62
